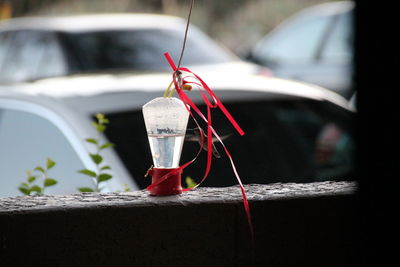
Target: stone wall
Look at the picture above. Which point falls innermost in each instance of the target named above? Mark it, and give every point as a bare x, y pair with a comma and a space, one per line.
295, 225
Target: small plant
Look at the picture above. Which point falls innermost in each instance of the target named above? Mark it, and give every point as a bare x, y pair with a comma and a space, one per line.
29, 187
98, 175
190, 183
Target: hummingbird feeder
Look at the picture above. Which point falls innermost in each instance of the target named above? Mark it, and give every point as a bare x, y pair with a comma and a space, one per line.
166, 119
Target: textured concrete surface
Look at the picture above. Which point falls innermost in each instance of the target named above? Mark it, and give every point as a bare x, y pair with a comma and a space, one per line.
295, 225
200, 195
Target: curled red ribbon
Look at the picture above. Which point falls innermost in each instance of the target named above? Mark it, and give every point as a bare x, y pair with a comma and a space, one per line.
210, 130
204, 91
209, 91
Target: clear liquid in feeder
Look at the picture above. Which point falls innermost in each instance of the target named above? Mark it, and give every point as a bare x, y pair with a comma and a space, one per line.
166, 120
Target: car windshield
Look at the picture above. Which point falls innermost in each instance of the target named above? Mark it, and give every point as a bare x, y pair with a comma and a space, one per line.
141, 49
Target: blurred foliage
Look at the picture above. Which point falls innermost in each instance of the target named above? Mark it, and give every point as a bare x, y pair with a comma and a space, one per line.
99, 175
235, 23
31, 187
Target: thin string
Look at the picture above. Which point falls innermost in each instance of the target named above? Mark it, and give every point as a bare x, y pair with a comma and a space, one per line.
168, 93
184, 39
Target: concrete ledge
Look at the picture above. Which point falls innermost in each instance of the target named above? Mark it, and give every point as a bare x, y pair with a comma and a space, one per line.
295, 225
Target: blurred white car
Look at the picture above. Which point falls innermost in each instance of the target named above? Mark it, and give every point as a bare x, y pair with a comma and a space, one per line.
295, 132
314, 45
38, 47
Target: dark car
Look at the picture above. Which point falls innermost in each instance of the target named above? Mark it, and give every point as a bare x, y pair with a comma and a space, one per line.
38, 47
315, 45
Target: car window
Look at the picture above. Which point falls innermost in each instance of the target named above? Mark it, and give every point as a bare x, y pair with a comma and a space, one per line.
34, 54
298, 42
142, 49
26, 140
5, 41
52, 62
338, 48
285, 141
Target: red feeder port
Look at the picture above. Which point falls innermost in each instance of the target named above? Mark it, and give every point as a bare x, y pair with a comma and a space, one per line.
162, 186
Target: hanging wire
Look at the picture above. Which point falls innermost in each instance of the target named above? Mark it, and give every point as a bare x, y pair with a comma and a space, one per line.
186, 32
169, 92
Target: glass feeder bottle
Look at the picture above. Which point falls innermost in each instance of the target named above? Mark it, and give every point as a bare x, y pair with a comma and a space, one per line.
166, 120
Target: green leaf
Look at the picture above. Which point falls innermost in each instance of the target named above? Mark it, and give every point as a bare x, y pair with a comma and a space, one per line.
38, 168
106, 145
88, 172
100, 116
190, 182
24, 190
31, 179
100, 128
105, 168
96, 158
36, 188
104, 177
85, 189
91, 140
50, 163
25, 185
49, 182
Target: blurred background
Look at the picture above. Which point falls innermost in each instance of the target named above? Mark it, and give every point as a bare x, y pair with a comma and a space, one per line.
240, 24
298, 132
298, 40
237, 24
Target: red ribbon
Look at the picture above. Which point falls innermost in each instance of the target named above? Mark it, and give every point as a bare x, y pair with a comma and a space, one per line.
209, 91
204, 91
210, 130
